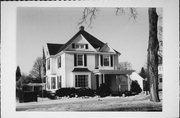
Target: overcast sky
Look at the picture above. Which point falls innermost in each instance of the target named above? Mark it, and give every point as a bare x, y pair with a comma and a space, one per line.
37, 26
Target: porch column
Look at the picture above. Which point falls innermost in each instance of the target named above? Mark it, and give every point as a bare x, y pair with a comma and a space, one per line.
100, 80
103, 78
99, 59
128, 82
49, 82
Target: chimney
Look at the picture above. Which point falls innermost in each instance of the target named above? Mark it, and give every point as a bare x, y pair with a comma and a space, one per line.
81, 28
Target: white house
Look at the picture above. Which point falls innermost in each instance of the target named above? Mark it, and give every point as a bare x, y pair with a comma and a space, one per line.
84, 61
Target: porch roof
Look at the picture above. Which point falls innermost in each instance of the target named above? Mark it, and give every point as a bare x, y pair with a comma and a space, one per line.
34, 84
126, 72
81, 70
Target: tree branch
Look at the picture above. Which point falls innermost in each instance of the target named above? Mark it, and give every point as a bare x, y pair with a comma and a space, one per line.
88, 13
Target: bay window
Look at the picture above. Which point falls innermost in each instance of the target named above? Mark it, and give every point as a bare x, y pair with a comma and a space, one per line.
53, 82
81, 81
48, 64
59, 61
58, 82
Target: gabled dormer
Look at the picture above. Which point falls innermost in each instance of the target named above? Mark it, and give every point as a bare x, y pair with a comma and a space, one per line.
107, 48
80, 44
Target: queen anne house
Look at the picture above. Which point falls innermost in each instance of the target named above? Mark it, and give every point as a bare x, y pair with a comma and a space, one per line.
84, 61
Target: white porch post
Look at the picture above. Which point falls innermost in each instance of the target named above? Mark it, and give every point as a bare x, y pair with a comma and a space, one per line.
49, 82
103, 78
99, 59
99, 80
128, 82
46, 83
56, 84
89, 80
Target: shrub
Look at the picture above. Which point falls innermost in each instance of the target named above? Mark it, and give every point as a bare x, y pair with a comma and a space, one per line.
51, 95
117, 94
66, 92
135, 87
72, 92
127, 93
85, 92
103, 90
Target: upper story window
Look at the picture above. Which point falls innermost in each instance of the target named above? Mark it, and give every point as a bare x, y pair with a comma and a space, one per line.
106, 60
79, 46
48, 64
59, 61
80, 60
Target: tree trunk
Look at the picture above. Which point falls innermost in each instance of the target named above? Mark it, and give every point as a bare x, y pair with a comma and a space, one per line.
153, 47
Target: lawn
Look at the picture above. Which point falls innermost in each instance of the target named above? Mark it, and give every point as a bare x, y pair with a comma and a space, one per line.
133, 103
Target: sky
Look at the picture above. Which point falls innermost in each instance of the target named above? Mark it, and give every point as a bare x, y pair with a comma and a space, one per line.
40, 25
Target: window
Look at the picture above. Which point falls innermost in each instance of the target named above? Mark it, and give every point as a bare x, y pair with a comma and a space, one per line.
59, 61
48, 64
77, 46
80, 46
58, 82
81, 81
48, 83
80, 60
106, 60
53, 82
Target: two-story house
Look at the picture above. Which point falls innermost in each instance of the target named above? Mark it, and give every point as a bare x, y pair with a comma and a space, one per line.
84, 61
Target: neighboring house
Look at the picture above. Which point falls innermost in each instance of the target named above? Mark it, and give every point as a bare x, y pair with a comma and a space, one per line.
84, 61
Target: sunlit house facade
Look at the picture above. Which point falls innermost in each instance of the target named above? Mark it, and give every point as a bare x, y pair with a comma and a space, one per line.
84, 61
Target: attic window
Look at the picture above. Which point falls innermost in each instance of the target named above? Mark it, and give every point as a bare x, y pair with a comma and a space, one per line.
81, 46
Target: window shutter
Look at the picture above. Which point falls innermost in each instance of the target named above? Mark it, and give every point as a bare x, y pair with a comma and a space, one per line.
85, 60
73, 45
111, 60
75, 60
86, 46
101, 60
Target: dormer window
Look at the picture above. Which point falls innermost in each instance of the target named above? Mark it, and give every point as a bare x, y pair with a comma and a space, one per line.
79, 46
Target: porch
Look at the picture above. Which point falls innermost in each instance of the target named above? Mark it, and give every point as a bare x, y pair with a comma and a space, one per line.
118, 81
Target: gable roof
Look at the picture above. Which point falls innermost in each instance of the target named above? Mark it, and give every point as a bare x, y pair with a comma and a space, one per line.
96, 43
53, 48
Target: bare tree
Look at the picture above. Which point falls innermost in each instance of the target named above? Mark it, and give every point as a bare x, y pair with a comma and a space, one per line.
153, 46
37, 70
18, 73
124, 66
44, 65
